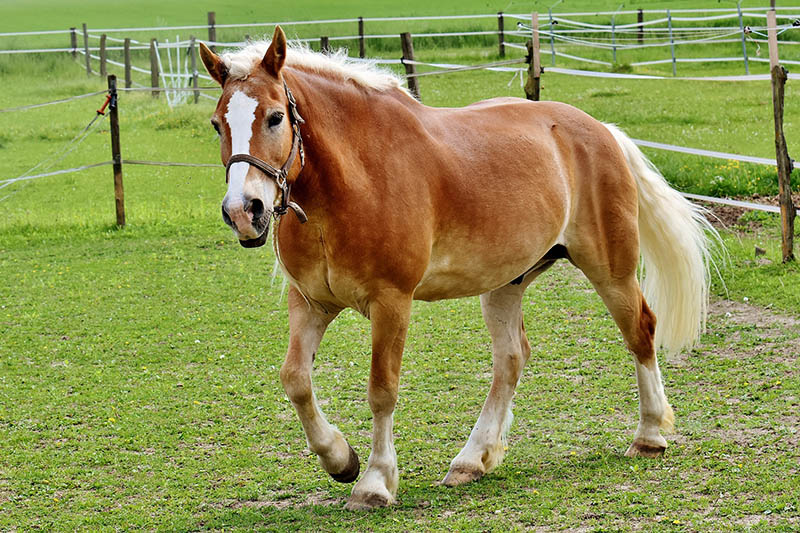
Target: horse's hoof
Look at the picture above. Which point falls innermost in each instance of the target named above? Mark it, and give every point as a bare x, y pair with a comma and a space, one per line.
367, 501
350, 473
642, 449
459, 475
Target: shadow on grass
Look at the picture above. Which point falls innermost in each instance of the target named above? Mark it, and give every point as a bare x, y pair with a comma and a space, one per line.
536, 483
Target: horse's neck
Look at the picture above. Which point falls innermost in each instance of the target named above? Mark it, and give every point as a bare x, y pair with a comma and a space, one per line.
344, 129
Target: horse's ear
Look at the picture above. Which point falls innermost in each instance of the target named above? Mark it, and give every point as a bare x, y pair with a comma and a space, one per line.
214, 65
276, 53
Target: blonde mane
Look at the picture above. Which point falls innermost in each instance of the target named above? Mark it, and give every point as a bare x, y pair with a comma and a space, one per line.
240, 64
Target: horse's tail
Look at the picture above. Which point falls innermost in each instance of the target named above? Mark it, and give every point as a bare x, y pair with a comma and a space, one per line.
675, 244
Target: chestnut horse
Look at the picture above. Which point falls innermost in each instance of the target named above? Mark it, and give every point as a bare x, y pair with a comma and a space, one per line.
405, 202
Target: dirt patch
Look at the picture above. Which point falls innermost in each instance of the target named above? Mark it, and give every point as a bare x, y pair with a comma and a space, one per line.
752, 520
728, 216
780, 332
742, 313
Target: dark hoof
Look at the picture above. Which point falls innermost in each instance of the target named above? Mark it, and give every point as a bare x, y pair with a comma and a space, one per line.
641, 449
350, 473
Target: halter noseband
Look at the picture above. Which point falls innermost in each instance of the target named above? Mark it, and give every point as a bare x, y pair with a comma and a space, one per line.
279, 175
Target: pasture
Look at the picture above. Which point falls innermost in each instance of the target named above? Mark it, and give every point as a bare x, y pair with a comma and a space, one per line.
139, 366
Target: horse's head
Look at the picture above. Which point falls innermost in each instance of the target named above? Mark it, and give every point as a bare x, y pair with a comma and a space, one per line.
255, 125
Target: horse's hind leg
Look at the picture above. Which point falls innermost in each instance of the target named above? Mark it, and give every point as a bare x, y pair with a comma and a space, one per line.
637, 323
306, 327
502, 312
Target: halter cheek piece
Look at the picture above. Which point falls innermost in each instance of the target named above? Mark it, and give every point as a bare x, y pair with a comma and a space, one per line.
279, 175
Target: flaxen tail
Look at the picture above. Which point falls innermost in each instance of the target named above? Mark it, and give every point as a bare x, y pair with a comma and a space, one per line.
675, 240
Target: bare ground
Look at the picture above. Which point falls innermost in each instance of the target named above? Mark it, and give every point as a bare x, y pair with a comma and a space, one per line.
729, 217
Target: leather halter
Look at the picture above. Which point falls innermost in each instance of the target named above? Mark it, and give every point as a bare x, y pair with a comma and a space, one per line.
279, 175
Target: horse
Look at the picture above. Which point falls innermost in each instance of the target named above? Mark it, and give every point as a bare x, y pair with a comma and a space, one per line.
379, 200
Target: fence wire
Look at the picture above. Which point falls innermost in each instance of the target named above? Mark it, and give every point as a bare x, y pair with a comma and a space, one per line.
58, 156
53, 102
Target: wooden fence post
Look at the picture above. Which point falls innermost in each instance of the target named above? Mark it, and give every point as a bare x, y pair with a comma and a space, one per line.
154, 67
783, 160
671, 43
362, 52
501, 34
116, 152
411, 69
103, 55
86, 50
73, 42
127, 55
193, 55
533, 85
324, 45
744, 38
772, 38
640, 20
212, 30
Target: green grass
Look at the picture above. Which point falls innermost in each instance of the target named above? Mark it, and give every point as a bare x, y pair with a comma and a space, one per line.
53, 14
140, 390
139, 367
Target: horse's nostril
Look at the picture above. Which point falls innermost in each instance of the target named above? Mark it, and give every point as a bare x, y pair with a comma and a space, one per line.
225, 217
256, 207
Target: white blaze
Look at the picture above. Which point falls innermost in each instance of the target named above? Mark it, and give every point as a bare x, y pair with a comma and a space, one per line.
240, 116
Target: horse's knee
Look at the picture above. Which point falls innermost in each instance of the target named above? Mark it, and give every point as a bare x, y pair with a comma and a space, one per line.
297, 383
509, 364
382, 396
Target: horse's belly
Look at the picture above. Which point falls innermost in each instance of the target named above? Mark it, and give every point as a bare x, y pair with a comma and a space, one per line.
459, 275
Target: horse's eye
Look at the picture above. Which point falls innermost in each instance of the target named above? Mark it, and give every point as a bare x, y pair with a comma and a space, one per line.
216, 126
275, 119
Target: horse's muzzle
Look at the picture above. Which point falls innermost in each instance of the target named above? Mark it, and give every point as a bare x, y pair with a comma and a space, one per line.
250, 222
261, 227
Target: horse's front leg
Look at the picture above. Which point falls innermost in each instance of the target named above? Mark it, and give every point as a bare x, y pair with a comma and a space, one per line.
306, 327
389, 316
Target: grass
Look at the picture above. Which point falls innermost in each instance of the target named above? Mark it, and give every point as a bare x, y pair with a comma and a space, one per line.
50, 14
140, 390
139, 367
